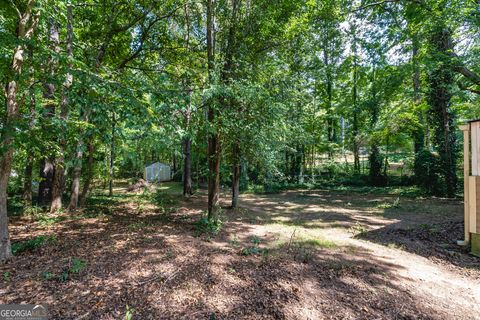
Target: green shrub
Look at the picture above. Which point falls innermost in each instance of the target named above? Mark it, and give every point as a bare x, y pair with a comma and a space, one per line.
76, 266
32, 244
210, 227
427, 172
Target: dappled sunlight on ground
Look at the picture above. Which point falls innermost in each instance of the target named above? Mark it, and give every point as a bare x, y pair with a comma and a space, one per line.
295, 255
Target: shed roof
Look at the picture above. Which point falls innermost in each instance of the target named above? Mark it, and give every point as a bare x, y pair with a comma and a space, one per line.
158, 164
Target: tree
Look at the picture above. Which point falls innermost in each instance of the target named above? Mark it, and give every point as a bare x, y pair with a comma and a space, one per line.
27, 20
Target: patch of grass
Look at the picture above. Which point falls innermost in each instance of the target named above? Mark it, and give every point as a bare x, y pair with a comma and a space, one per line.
32, 244
387, 205
433, 229
137, 226
358, 229
48, 220
315, 242
394, 245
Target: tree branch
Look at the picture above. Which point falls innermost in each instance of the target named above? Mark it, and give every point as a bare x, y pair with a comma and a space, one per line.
469, 74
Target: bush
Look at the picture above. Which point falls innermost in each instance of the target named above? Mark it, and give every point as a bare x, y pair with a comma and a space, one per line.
32, 244
210, 227
427, 172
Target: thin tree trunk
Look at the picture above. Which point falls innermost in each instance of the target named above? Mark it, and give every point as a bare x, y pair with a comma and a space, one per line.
187, 141
213, 152
59, 175
330, 115
356, 154
86, 185
112, 157
236, 174
187, 167
26, 25
77, 173
174, 160
27, 179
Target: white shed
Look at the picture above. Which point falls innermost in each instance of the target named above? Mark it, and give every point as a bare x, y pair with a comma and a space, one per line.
157, 172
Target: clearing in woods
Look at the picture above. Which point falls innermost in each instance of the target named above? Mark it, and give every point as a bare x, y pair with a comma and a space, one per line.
305, 254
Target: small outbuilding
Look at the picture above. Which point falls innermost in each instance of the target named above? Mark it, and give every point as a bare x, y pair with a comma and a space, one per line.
158, 172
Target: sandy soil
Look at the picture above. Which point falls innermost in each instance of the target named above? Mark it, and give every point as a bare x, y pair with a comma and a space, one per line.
295, 255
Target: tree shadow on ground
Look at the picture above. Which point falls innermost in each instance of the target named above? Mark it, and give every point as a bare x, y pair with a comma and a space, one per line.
433, 240
153, 262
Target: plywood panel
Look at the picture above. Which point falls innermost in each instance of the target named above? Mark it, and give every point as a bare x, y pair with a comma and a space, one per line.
472, 203
475, 131
466, 173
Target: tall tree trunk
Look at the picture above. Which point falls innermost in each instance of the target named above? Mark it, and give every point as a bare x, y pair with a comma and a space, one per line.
112, 157
187, 166
27, 178
227, 77
355, 129
375, 159
45, 186
213, 152
236, 170
77, 169
419, 133
26, 25
47, 165
77, 173
174, 162
441, 80
187, 141
59, 175
329, 87
27, 181
88, 179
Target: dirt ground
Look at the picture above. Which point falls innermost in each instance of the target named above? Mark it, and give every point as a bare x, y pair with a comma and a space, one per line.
312, 254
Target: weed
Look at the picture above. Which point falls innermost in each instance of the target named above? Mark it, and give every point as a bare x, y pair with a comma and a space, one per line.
395, 204
137, 226
234, 242
6, 276
32, 244
76, 266
252, 250
394, 245
32, 211
129, 311
358, 229
211, 227
47, 275
170, 254
255, 240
